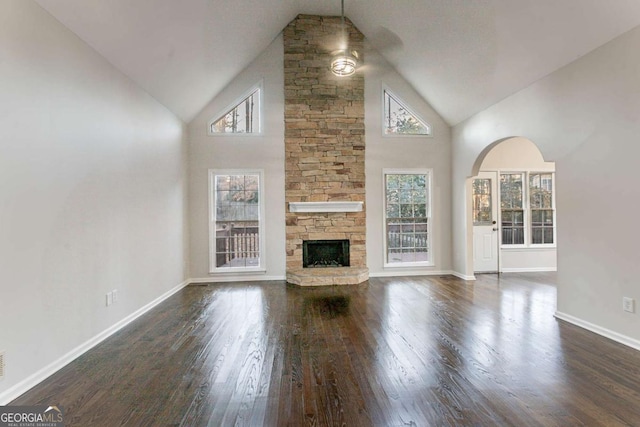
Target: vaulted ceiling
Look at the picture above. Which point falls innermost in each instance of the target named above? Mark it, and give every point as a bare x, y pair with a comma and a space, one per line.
462, 56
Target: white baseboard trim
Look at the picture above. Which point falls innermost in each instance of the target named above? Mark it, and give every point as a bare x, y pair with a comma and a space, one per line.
463, 276
395, 273
401, 273
236, 278
33, 380
527, 270
608, 333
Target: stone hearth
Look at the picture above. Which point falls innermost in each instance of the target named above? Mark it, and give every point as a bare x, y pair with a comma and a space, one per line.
327, 276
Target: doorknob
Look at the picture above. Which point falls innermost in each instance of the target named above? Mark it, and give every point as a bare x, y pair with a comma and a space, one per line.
495, 229
493, 222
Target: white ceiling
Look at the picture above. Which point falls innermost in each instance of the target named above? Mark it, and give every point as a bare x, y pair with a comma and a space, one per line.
460, 55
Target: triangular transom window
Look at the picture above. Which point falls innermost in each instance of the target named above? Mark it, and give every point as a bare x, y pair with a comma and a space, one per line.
400, 120
243, 118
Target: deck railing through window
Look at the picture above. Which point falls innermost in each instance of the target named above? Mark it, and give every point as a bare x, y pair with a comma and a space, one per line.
237, 246
407, 240
399, 240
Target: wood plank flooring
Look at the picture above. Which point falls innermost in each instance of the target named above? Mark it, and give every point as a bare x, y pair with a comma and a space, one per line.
420, 351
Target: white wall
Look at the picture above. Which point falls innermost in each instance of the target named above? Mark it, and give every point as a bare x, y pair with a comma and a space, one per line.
92, 195
397, 152
586, 117
520, 154
242, 152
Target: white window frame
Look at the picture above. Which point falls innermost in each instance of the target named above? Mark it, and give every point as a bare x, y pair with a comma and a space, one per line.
553, 209
400, 100
526, 204
213, 269
258, 86
430, 262
525, 209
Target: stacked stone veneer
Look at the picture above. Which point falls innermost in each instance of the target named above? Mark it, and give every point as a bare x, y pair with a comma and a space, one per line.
324, 136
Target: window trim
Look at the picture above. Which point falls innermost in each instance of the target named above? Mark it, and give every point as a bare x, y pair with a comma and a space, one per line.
401, 101
237, 101
261, 268
553, 209
416, 171
527, 210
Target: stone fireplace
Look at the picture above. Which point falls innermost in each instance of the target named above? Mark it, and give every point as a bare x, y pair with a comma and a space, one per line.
325, 151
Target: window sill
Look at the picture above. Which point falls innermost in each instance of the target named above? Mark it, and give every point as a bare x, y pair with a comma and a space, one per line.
237, 270
236, 135
407, 135
407, 265
525, 247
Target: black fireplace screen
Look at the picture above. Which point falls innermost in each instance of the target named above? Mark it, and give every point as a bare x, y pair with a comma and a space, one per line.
325, 253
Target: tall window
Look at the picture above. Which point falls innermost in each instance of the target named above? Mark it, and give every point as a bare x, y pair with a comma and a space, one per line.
399, 119
407, 217
243, 118
512, 209
527, 208
541, 202
235, 227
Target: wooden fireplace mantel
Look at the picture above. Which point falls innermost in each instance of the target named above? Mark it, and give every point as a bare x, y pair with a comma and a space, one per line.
325, 206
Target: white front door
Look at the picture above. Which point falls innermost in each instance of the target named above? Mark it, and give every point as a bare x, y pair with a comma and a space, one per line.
485, 222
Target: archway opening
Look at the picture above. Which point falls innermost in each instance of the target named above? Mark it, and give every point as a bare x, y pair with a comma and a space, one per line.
512, 209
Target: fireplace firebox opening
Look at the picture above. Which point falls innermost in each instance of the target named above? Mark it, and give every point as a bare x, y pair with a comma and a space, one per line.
325, 253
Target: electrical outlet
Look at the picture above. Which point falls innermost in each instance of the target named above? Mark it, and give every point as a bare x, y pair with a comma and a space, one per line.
115, 295
1, 364
628, 304
109, 298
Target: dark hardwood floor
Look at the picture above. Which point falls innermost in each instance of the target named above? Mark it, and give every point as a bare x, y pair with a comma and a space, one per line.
421, 351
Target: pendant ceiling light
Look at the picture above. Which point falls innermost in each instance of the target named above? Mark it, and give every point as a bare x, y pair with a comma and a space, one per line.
344, 61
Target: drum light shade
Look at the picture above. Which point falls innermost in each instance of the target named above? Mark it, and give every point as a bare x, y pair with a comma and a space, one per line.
344, 63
